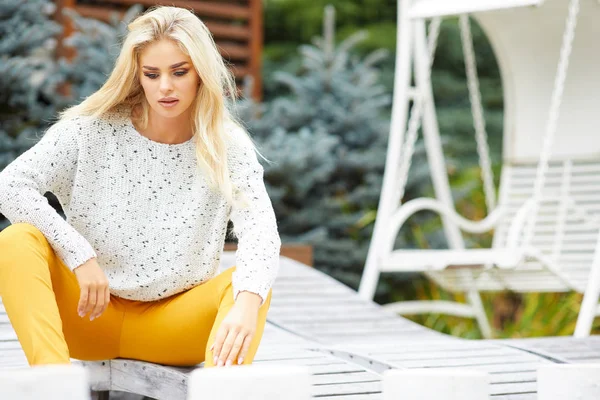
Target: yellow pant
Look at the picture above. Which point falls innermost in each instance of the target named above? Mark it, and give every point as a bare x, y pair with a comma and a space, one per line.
41, 294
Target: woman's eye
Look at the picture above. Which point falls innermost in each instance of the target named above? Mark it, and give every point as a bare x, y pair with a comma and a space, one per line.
177, 73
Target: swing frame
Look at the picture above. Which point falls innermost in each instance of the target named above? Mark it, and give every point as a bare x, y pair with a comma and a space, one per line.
414, 44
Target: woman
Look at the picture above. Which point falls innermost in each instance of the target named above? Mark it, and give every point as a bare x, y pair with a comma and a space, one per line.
148, 170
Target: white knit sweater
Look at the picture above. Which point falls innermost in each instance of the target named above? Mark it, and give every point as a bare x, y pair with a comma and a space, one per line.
143, 208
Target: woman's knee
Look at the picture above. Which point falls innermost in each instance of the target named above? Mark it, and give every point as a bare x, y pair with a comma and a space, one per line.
18, 235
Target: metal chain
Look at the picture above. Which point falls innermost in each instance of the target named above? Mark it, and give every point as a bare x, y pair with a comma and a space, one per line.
553, 114
414, 122
477, 110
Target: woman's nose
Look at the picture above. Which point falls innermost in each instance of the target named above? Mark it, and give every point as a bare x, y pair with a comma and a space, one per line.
165, 84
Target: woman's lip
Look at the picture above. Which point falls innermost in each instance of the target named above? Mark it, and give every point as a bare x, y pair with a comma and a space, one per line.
168, 104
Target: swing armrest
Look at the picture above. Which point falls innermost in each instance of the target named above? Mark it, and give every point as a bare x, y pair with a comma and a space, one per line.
411, 207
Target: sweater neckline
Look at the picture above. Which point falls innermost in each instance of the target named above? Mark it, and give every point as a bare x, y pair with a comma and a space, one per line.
147, 140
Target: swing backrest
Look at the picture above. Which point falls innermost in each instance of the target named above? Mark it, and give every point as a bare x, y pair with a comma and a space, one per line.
568, 219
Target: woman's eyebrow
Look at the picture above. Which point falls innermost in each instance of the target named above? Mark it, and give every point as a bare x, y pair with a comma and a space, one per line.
172, 66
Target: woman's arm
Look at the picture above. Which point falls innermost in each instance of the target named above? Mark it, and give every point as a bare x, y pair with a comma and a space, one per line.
48, 166
257, 256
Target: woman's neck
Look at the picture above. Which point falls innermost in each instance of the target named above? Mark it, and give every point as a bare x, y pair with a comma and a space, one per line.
165, 130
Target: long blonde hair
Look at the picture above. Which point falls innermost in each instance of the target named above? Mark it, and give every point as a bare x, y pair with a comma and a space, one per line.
210, 111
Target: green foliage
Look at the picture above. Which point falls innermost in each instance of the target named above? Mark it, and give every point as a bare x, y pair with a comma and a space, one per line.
299, 21
511, 315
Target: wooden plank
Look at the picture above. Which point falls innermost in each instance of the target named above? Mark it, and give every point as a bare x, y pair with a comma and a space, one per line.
233, 51
68, 28
514, 367
259, 382
218, 29
100, 13
465, 361
441, 356
519, 396
363, 376
7, 334
509, 377
512, 388
256, 45
362, 396
347, 388
99, 373
13, 358
201, 8
228, 31
53, 382
148, 379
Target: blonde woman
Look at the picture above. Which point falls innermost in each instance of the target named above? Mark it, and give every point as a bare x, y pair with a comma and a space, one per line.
149, 170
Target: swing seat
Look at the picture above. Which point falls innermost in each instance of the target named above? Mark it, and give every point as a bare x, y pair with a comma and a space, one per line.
438, 260
558, 257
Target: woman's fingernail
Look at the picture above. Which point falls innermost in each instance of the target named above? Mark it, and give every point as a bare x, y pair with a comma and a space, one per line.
229, 362
215, 360
240, 360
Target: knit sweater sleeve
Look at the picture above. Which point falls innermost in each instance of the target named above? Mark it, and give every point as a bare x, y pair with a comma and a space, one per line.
48, 166
255, 225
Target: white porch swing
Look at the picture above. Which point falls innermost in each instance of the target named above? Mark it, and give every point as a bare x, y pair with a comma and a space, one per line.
547, 221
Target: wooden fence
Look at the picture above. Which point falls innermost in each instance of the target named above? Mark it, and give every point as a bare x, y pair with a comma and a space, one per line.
236, 25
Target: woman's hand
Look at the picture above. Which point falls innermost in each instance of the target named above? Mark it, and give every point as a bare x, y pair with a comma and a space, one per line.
237, 330
95, 294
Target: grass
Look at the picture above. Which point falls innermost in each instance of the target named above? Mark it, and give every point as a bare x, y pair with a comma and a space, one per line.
512, 315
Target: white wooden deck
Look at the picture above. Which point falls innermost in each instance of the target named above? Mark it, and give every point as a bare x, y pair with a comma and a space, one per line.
311, 304
347, 342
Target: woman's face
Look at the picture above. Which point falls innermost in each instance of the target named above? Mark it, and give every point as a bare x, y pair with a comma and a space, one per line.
168, 78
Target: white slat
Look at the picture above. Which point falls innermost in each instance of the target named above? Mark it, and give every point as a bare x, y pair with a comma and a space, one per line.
438, 8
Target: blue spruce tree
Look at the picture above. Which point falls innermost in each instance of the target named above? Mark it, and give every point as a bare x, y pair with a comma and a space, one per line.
97, 45
31, 73
327, 142
28, 73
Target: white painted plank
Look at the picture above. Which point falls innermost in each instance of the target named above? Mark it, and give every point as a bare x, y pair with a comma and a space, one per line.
513, 367
51, 382
466, 361
251, 382
353, 388
425, 384
327, 379
518, 396
561, 381
362, 396
507, 388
